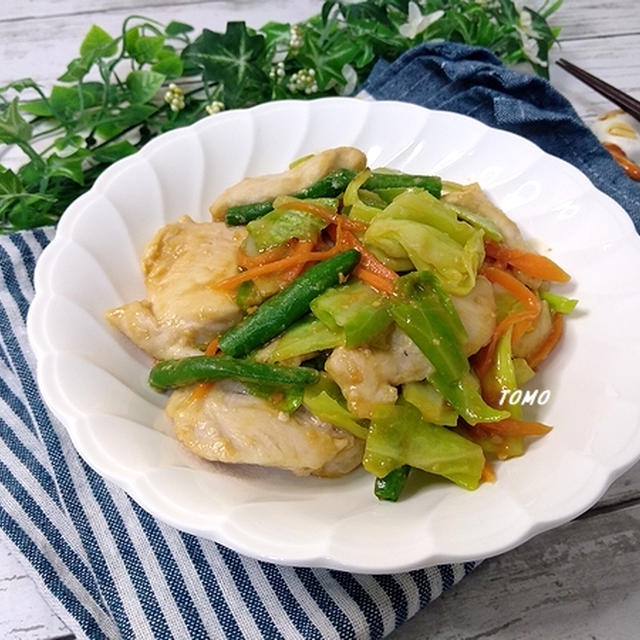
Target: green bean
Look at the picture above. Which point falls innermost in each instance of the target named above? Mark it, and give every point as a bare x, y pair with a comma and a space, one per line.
382, 180
280, 311
243, 213
332, 185
169, 374
390, 487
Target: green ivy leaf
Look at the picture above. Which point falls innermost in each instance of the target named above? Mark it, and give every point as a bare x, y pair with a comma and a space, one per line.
276, 37
401, 6
326, 10
67, 167
508, 10
13, 127
131, 37
76, 70
67, 102
25, 215
146, 48
129, 116
95, 90
365, 13
10, 184
30, 174
169, 64
20, 85
548, 8
18, 205
329, 59
371, 26
143, 85
72, 141
175, 28
366, 54
233, 58
113, 152
236, 67
39, 108
97, 44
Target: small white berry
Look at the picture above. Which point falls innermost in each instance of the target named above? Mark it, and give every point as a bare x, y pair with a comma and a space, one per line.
214, 107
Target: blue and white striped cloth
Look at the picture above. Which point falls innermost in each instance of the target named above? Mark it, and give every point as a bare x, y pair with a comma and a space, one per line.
112, 571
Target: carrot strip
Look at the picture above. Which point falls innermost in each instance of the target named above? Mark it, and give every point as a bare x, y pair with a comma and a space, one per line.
202, 388
384, 285
199, 391
277, 253
212, 347
520, 320
301, 254
514, 427
368, 260
290, 274
557, 327
513, 286
324, 213
532, 264
488, 474
370, 269
293, 272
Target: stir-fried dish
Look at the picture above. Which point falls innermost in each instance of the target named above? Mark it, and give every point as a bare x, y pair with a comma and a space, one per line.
332, 316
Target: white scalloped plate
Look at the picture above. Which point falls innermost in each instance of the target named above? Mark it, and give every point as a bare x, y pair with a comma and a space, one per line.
95, 381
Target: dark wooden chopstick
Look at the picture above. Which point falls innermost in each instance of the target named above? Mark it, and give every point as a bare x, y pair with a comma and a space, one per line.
623, 100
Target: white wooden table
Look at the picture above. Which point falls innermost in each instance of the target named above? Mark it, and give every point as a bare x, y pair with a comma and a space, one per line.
580, 581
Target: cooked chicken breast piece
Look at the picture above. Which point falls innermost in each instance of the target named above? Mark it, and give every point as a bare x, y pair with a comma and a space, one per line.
182, 311
532, 340
369, 376
267, 187
477, 311
229, 425
473, 198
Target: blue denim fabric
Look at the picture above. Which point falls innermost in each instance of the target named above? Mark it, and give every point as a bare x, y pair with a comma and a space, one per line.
474, 82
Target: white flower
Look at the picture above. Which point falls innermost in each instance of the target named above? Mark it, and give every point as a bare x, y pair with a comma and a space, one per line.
525, 22
416, 22
528, 35
280, 54
351, 76
530, 48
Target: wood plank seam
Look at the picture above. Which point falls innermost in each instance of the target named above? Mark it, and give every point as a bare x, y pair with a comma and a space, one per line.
596, 511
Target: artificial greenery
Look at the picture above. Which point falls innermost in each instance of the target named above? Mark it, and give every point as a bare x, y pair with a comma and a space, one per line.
123, 90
